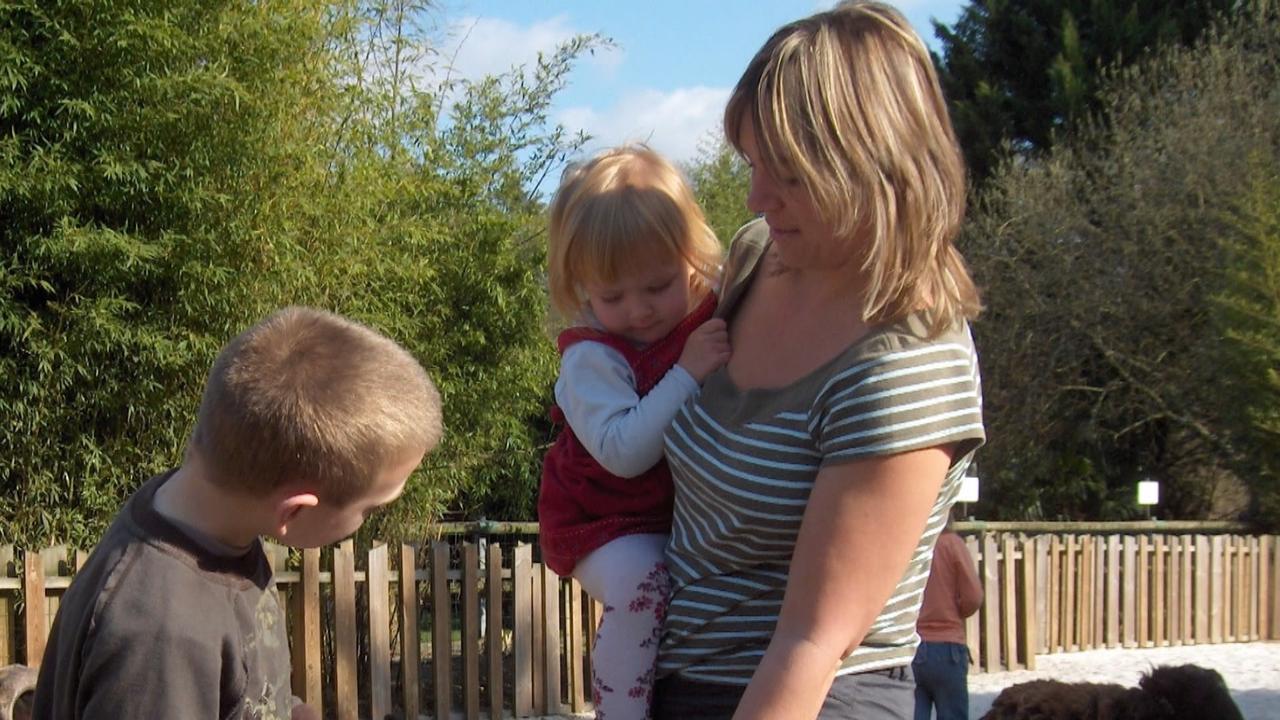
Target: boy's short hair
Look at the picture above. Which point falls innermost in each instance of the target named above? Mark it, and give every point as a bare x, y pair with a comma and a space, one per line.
309, 396
624, 205
847, 102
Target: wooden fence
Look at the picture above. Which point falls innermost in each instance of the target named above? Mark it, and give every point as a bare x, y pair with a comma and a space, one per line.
495, 634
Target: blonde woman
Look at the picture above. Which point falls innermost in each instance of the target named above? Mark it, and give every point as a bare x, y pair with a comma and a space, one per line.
814, 472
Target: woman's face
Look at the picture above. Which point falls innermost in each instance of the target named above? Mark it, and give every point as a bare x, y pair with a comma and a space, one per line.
796, 227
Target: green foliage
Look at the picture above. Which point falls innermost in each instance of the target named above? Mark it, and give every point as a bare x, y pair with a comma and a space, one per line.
720, 180
171, 171
136, 141
1102, 362
1020, 74
1248, 313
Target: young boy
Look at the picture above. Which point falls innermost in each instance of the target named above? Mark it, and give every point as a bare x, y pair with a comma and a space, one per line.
308, 422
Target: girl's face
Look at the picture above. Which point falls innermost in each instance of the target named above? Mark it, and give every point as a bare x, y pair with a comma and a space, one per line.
646, 304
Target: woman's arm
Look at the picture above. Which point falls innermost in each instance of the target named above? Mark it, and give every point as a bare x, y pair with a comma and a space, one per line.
860, 528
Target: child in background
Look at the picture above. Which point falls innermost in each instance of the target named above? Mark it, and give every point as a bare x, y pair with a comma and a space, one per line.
633, 260
308, 423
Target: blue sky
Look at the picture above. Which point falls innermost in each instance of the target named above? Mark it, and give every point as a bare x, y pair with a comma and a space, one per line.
668, 79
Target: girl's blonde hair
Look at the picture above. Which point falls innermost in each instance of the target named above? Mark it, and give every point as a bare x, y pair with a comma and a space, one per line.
625, 206
848, 102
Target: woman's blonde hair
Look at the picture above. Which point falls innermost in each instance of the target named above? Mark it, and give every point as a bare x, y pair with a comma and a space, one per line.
847, 102
622, 207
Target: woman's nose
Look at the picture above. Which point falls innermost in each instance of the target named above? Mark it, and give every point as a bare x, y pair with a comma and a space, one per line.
762, 196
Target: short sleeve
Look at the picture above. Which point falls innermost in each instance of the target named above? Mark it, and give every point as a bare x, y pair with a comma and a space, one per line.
903, 397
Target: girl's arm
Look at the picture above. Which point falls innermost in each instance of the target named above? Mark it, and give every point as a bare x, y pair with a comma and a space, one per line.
622, 431
860, 528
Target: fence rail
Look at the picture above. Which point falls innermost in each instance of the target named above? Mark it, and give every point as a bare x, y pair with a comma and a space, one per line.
483, 630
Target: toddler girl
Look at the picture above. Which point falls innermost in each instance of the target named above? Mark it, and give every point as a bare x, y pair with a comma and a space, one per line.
632, 259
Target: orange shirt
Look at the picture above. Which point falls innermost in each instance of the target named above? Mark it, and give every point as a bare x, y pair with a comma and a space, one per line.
952, 594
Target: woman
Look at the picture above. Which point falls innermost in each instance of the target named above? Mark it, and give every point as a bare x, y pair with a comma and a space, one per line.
814, 472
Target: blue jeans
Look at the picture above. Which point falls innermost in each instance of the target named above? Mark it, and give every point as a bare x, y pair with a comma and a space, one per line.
942, 671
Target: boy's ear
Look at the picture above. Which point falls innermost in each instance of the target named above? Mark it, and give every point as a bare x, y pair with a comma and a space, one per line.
287, 508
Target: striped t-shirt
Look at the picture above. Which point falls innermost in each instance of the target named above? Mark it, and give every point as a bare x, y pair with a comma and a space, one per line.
744, 463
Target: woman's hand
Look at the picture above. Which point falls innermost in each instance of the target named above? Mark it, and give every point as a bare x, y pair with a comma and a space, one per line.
706, 349
861, 525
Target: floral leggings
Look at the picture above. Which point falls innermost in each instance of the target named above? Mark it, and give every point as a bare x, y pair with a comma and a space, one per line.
629, 577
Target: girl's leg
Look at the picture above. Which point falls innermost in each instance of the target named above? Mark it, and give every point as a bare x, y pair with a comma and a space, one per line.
628, 576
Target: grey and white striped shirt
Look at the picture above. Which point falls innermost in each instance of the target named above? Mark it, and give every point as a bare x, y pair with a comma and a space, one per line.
744, 463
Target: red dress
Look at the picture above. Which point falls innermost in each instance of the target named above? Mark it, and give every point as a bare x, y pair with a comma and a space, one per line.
582, 506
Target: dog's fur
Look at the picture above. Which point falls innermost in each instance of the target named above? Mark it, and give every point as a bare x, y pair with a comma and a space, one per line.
1168, 692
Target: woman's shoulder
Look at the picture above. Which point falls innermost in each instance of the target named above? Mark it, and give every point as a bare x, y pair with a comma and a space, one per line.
745, 250
908, 341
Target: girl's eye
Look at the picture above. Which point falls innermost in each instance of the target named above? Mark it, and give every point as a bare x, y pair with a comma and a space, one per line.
610, 299
660, 287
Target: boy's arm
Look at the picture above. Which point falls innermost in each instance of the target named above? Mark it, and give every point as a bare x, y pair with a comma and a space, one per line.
621, 430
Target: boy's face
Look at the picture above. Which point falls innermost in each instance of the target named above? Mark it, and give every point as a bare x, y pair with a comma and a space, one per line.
326, 524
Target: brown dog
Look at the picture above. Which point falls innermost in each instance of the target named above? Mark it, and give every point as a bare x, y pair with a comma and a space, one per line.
1168, 692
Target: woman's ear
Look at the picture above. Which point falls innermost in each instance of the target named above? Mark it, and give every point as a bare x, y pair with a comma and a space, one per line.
287, 508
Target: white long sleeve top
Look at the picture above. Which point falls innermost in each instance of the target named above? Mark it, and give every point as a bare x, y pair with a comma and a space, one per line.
596, 391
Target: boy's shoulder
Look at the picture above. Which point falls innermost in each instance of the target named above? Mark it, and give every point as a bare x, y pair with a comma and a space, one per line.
147, 571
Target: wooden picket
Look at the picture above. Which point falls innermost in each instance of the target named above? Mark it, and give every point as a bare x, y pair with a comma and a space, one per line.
459, 629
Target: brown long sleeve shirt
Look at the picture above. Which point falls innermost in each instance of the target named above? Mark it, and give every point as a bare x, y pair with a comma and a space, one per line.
952, 594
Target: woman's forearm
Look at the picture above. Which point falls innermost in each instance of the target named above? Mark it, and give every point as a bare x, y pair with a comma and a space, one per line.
791, 681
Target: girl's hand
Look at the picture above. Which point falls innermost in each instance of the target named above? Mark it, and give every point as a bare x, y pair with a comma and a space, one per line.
706, 349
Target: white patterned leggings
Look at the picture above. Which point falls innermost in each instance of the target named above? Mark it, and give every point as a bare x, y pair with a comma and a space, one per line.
629, 577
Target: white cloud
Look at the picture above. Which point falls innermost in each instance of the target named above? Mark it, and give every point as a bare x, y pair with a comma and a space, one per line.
673, 123
479, 46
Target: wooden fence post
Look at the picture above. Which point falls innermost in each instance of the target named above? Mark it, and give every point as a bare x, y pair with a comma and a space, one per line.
493, 633
1273, 621
991, 607
441, 629
1157, 595
305, 599
410, 629
344, 630
1030, 601
33, 592
378, 587
973, 624
1009, 601
471, 631
1202, 589
1128, 592
522, 632
551, 638
8, 649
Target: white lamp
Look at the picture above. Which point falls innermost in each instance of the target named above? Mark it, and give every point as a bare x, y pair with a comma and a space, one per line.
1148, 492
968, 489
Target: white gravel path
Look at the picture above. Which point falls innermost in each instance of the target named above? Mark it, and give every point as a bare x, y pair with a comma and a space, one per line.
1252, 671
